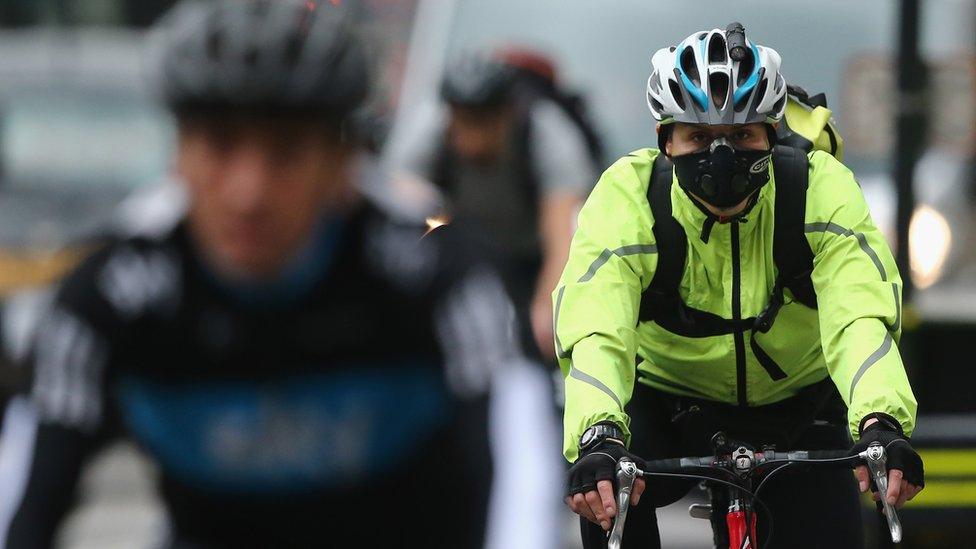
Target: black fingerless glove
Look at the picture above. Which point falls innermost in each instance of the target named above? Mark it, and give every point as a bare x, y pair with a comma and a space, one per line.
599, 463
899, 454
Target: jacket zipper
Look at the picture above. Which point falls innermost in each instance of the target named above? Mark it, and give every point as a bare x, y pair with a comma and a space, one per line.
740, 345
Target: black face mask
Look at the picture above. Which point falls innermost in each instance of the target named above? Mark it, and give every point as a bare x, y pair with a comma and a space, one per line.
721, 175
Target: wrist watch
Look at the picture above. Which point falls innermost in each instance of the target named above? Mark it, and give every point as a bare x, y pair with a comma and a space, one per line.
597, 434
884, 421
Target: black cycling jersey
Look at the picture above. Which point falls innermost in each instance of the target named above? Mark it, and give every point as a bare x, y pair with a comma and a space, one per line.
344, 409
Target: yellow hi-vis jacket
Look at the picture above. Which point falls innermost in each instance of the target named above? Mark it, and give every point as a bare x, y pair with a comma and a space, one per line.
852, 337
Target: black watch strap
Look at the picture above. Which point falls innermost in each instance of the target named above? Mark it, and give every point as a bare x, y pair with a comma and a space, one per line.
884, 422
599, 432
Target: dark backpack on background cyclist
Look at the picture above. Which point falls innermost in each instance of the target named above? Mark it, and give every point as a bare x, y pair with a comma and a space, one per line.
537, 84
521, 79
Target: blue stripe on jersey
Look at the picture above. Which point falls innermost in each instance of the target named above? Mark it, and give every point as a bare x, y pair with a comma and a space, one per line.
289, 436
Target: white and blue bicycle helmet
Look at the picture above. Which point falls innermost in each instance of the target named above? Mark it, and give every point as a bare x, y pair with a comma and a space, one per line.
699, 82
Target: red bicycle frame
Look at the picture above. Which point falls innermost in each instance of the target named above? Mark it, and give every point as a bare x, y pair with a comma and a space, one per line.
739, 537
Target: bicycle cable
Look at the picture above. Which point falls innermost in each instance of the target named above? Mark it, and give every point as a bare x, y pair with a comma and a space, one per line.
769, 538
786, 463
770, 474
852, 459
753, 495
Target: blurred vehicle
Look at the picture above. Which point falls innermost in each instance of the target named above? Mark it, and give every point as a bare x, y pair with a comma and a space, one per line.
78, 133
942, 233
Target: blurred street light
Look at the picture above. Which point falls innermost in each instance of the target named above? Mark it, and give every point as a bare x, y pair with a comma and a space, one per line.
930, 240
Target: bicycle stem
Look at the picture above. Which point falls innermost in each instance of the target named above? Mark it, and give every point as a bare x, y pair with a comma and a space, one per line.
626, 476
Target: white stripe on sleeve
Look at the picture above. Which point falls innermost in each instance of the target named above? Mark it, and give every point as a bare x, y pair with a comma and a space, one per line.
476, 328
16, 454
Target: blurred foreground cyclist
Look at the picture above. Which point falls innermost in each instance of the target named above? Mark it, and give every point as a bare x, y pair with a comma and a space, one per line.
744, 287
304, 368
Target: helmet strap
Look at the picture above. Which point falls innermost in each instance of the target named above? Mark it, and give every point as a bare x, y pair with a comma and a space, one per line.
771, 134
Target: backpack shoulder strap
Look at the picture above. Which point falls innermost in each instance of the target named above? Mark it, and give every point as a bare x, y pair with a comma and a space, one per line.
791, 251
527, 172
535, 88
672, 244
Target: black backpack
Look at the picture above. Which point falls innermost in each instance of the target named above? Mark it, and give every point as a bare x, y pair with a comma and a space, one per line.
661, 301
530, 88
534, 86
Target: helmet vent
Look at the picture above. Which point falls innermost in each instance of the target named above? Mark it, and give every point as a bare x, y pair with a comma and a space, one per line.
743, 101
761, 89
780, 82
655, 103
779, 104
746, 66
689, 66
758, 93
718, 86
655, 81
676, 93
717, 50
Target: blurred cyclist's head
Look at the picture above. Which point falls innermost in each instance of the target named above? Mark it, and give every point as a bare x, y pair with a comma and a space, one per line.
480, 94
716, 97
261, 90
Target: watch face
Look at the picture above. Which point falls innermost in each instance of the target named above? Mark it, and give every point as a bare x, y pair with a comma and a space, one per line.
587, 437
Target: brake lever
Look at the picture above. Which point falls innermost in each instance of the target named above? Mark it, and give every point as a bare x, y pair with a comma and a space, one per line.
626, 476
877, 464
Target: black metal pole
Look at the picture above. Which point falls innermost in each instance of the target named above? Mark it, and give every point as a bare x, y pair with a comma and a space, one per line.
909, 129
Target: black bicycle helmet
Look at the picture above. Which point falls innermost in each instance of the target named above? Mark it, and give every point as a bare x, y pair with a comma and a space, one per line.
277, 54
476, 81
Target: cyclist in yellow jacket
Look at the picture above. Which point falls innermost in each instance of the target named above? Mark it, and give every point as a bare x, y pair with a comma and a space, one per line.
659, 353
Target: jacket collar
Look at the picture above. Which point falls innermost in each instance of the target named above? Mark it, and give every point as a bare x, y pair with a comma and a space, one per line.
699, 223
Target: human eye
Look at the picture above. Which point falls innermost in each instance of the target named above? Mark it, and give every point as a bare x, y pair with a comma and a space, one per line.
742, 135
